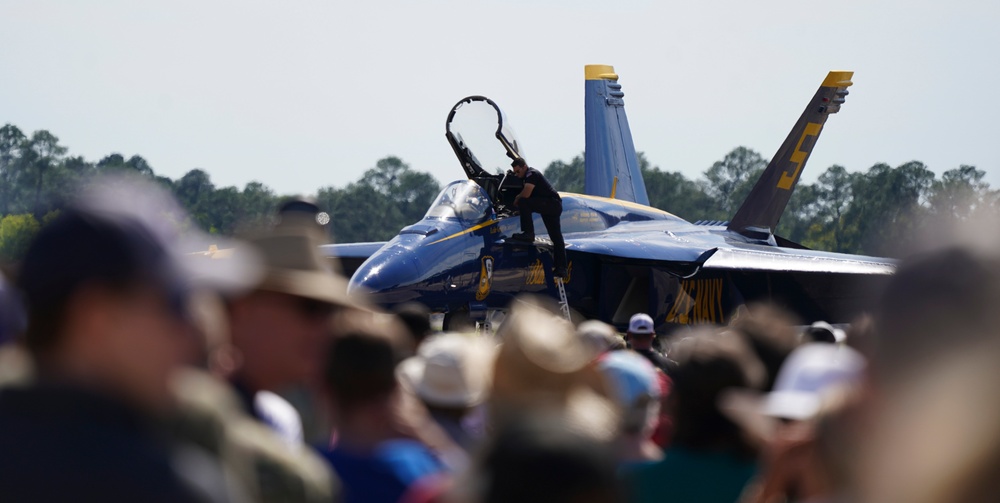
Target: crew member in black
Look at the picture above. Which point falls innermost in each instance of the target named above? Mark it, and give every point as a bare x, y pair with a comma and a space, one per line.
538, 196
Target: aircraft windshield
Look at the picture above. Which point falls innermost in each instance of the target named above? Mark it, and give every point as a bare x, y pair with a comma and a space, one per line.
476, 123
464, 200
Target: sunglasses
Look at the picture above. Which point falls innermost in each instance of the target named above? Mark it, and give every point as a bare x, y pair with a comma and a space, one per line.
312, 308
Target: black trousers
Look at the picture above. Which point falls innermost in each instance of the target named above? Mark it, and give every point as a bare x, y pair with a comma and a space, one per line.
549, 208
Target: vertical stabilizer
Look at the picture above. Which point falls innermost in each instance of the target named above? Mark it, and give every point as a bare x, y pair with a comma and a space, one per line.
762, 209
612, 168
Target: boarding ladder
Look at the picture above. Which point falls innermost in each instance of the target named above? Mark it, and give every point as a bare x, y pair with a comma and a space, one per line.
563, 302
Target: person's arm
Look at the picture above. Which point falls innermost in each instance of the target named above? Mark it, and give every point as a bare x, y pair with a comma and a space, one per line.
525, 192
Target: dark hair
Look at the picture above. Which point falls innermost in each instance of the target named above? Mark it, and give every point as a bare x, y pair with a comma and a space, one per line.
707, 364
770, 332
360, 368
935, 303
82, 249
417, 318
519, 162
540, 460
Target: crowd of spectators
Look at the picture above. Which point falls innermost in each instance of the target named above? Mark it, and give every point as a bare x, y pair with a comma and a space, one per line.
134, 370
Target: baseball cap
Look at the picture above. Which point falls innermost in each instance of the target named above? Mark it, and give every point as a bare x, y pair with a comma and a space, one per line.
822, 331
811, 371
641, 323
631, 375
120, 231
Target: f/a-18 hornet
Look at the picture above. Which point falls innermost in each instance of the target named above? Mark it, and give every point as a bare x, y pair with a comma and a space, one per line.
625, 256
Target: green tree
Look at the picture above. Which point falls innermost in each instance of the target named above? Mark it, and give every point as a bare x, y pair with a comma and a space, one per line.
358, 214
800, 215
887, 210
729, 181
44, 153
12, 142
194, 191
390, 194
16, 233
960, 194
566, 177
257, 204
828, 229
673, 192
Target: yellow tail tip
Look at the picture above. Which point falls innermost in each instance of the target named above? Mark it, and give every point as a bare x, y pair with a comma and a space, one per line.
600, 72
838, 79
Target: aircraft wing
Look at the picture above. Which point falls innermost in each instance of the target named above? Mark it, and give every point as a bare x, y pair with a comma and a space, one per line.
640, 241
793, 260
647, 243
351, 255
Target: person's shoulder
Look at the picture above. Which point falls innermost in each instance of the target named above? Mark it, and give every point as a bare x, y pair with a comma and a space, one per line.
409, 459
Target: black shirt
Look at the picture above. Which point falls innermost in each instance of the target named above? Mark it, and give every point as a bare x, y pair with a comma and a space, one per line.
64, 444
542, 186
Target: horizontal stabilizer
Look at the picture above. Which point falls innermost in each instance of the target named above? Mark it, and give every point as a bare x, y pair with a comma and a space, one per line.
775, 259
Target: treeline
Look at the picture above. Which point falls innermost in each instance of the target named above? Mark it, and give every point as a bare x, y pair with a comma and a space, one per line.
37, 177
868, 212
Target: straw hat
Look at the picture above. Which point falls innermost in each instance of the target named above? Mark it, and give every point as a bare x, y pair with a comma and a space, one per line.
292, 264
543, 367
450, 370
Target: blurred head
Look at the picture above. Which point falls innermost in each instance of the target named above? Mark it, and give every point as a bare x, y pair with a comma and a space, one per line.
417, 319
597, 336
936, 304
810, 372
106, 293
543, 366
450, 371
771, 334
281, 328
709, 363
931, 415
640, 331
540, 355
636, 388
539, 460
359, 373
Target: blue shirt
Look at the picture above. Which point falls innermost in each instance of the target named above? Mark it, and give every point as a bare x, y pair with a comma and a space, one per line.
384, 475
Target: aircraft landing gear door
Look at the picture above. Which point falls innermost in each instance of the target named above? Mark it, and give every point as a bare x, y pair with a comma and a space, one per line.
485, 144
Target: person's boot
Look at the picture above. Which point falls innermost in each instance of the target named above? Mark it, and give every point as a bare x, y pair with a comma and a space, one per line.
522, 236
560, 272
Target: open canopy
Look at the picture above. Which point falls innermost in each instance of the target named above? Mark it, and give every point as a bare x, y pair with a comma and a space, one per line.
481, 136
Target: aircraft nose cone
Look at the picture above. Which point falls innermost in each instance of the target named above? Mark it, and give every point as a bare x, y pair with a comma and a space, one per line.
386, 279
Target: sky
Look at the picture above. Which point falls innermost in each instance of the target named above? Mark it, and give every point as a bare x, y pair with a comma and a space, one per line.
303, 94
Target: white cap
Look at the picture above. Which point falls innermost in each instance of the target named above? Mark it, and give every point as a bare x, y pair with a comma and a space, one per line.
450, 370
809, 372
640, 323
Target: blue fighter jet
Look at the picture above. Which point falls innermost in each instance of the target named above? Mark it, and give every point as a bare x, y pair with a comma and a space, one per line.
624, 256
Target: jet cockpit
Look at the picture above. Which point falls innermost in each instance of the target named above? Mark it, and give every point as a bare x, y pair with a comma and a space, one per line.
462, 200
485, 144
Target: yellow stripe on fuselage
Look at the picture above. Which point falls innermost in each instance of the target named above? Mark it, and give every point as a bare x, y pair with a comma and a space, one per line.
466, 231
